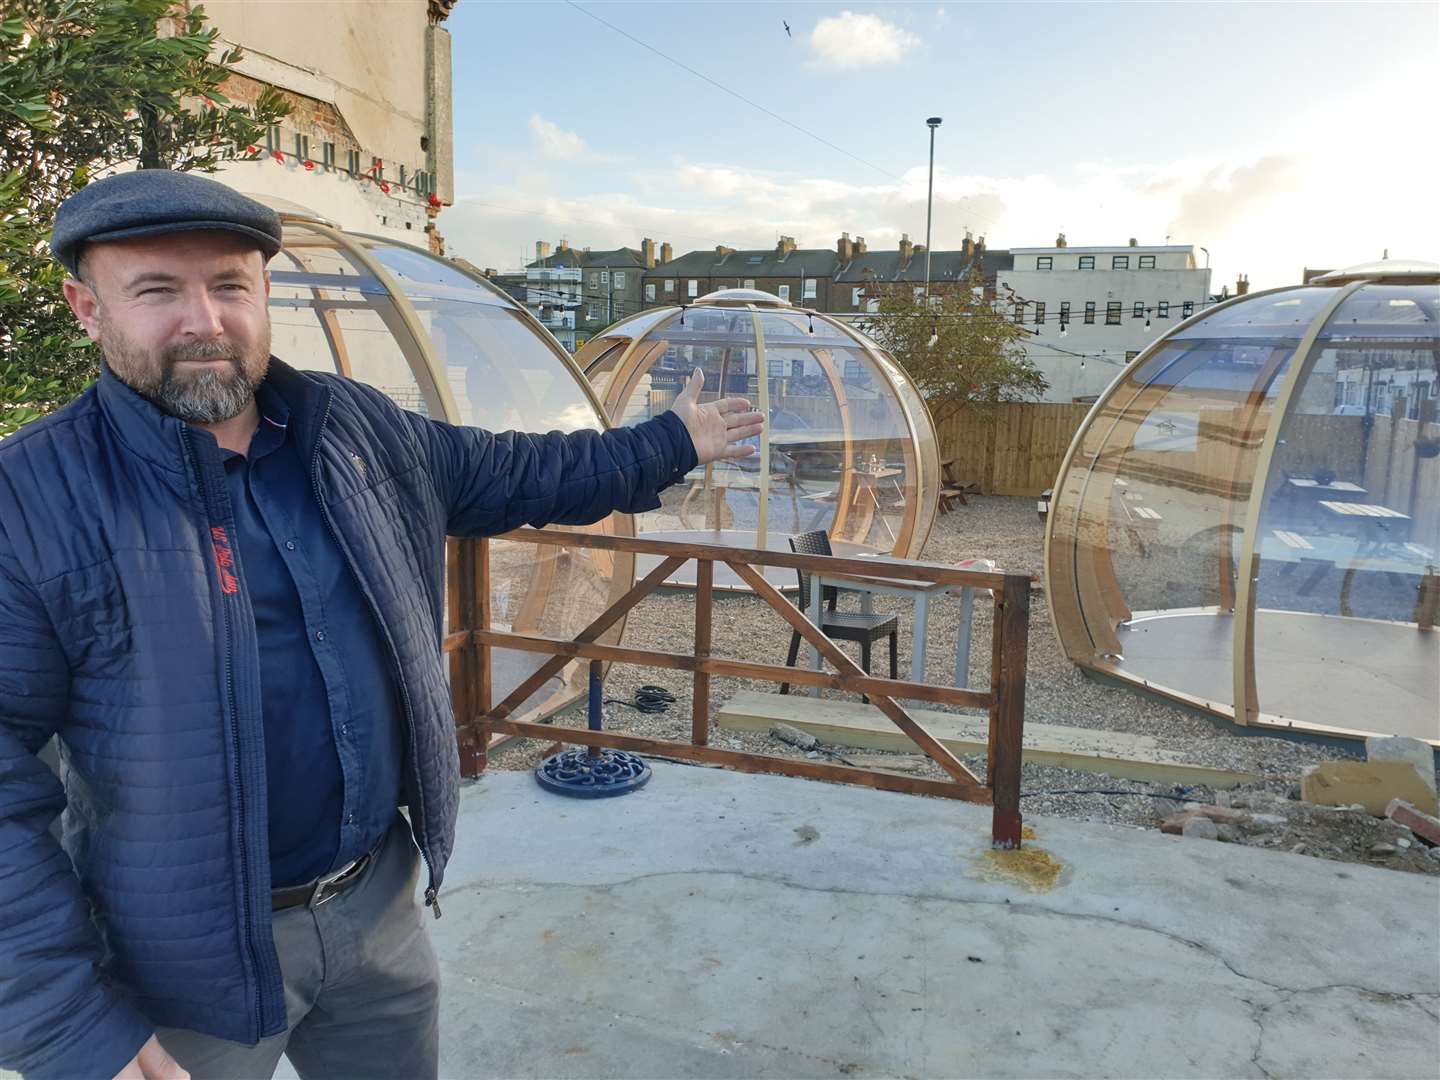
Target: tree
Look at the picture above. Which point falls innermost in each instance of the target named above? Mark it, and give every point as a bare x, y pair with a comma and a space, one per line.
960, 352
87, 86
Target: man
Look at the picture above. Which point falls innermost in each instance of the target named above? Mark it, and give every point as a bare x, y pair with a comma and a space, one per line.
222, 588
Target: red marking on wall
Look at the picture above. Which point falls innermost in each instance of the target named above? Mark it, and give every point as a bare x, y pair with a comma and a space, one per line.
224, 559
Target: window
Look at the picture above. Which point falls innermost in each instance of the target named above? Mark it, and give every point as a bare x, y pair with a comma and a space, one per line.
797, 368
749, 283
1162, 309
649, 290
1087, 262
1044, 262
352, 162
1120, 262
1064, 312
302, 147
852, 369
693, 288
604, 277
670, 284
619, 279
918, 291
1130, 354
855, 298
810, 288
755, 260
1139, 311
1147, 262
327, 156
1112, 313
1089, 311
1039, 313
272, 137
1019, 313
1187, 309
377, 168
594, 280
784, 292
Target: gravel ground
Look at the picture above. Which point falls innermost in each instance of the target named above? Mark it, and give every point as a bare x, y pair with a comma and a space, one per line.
1008, 531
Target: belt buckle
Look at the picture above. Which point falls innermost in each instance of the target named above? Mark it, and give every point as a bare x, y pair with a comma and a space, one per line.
324, 890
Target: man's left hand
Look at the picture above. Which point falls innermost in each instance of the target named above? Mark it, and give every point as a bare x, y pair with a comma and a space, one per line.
717, 428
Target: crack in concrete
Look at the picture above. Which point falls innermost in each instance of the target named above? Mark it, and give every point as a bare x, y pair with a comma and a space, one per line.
1023, 908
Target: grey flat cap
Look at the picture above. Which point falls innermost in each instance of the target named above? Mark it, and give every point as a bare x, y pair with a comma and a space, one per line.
153, 201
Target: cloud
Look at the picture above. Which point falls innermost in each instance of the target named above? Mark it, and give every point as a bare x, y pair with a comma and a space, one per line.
1297, 204
553, 141
848, 41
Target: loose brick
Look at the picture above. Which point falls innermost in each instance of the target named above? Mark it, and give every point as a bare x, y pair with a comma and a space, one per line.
1419, 823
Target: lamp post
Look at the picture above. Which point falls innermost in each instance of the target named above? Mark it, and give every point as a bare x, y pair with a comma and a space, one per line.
932, 123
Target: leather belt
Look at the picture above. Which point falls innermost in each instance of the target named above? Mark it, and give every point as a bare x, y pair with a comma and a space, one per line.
315, 893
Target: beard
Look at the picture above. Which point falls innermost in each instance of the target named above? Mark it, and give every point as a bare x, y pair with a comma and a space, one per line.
207, 396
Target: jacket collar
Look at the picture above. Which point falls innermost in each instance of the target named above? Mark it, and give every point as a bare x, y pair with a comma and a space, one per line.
158, 438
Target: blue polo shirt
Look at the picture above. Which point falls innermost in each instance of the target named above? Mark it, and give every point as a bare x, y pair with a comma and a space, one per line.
334, 725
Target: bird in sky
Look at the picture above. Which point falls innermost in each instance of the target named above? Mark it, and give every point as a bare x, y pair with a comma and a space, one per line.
787, 28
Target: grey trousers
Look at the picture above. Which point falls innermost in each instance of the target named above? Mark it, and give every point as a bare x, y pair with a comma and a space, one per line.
361, 986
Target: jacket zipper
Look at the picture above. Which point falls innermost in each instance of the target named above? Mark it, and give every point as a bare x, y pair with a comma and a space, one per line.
225, 605
432, 899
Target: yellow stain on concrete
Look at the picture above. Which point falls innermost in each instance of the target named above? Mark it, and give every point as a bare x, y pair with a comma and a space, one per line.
1027, 833
1031, 868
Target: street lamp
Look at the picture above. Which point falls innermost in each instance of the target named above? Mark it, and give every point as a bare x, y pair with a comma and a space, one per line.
932, 123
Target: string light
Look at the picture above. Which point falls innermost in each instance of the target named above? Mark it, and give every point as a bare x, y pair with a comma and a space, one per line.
812, 325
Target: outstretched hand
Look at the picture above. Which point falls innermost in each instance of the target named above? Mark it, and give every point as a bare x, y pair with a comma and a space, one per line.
717, 428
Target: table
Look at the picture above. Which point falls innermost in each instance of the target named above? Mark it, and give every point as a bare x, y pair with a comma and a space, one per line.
922, 591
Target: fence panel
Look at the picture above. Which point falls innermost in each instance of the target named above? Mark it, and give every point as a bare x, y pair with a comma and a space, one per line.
1010, 449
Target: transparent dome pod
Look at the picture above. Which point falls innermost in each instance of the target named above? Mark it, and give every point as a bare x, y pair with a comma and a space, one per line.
849, 448
447, 344
1248, 521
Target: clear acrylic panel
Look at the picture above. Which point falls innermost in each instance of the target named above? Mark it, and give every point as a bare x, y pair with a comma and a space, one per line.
1151, 511
1348, 543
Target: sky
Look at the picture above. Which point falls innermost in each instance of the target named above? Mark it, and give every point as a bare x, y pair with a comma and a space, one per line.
1277, 136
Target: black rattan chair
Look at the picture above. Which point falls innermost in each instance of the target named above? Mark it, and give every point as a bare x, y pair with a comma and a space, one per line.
840, 625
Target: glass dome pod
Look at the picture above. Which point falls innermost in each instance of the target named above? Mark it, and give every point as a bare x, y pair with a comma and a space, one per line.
449, 345
850, 447
1248, 520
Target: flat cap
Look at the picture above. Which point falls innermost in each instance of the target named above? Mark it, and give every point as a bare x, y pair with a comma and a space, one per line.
149, 202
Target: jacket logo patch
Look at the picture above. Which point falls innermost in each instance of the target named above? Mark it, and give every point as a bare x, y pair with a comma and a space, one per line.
224, 559
359, 463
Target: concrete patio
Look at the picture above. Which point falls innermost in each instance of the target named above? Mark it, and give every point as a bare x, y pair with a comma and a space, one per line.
724, 925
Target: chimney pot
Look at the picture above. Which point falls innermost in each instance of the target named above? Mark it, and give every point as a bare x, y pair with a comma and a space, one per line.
1060, 240
843, 247
1242, 285
1132, 242
860, 247
542, 250
647, 253
666, 252
564, 245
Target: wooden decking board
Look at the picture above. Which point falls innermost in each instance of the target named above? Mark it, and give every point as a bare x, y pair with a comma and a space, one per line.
847, 723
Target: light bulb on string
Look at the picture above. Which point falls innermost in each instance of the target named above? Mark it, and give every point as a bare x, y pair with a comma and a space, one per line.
934, 332
1147, 322
1064, 329
812, 325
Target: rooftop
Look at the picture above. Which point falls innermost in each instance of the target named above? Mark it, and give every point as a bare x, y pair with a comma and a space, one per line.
717, 924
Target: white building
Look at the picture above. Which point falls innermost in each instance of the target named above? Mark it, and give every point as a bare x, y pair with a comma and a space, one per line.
1092, 309
553, 290
368, 143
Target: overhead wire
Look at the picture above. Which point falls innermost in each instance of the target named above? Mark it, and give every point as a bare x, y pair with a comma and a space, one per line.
733, 93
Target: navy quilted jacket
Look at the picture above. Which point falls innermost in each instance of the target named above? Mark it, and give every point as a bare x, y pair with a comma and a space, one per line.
122, 632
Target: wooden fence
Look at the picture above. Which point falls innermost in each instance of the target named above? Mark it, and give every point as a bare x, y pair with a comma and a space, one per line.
1010, 449
479, 720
